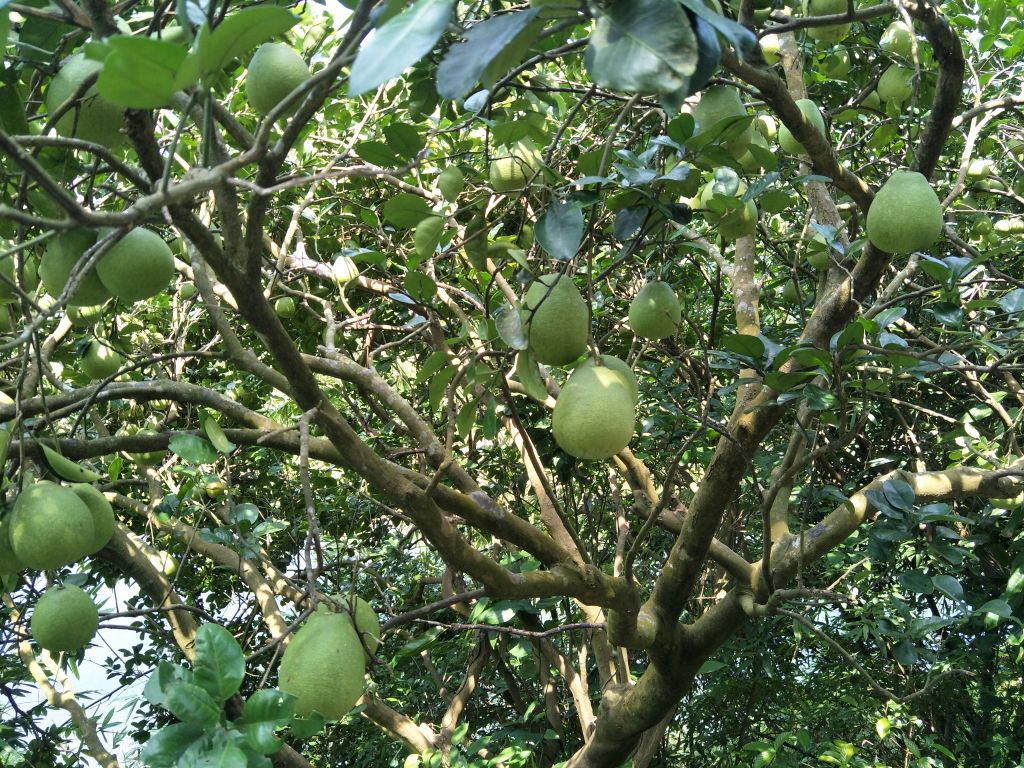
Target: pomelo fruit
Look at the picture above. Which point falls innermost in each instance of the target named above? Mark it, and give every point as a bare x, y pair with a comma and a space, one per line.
93, 118
513, 170
187, 290
367, 622
102, 515
344, 270
9, 268
896, 84
791, 292
654, 312
85, 317
619, 366
138, 266
556, 320
284, 307
147, 458
733, 223
60, 257
897, 40
766, 126
275, 70
9, 562
905, 215
64, 619
323, 666
717, 104
836, 65
594, 416
770, 46
813, 115
828, 34
50, 526
100, 361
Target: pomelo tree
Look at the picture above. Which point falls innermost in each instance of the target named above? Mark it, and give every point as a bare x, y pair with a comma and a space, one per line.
809, 552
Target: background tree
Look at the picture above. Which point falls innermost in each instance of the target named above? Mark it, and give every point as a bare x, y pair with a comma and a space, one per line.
271, 285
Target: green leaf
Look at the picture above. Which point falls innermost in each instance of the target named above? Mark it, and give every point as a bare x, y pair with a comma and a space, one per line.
166, 745
163, 678
466, 418
997, 607
238, 33
224, 755
376, 152
266, 711
748, 346
193, 449
949, 586
192, 704
465, 62
710, 666
917, 582
528, 373
899, 494
213, 431
560, 230
406, 210
303, 728
420, 287
220, 664
741, 38
399, 44
141, 73
642, 46
510, 327
404, 139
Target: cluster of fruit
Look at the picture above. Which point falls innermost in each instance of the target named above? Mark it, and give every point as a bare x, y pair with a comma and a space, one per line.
595, 413
325, 662
51, 526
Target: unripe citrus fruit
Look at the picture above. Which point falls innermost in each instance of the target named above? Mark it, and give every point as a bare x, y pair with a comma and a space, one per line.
832, 33
100, 361
344, 270
138, 266
50, 526
60, 257
905, 215
274, 71
898, 39
93, 118
512, 171
9, 562
813, 114
64, 619
9, 268
719, 103
284, 307
654, 313
102, 515
556, 320
896, 84
323, 666
594, 416
187, 290
619, 366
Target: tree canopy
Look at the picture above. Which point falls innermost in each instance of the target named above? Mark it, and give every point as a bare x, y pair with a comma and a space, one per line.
650, 370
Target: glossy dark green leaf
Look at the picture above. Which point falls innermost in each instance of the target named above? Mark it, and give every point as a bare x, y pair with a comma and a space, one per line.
238, 33
266, 711
465, 62
399, 44
949, 586
420, 287
528, 373
642, 46
739, 37
161, 680
560, 230
406, 210
219, 663
140, 73
168, 744
193, 449
404, 139
192, 704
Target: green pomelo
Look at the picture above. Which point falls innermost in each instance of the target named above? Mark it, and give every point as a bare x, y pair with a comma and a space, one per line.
93, 118
284, 307
770, 47
367, 622
766, 126
513, 170
100, 361
791, 292
619, 366
980, 167
451, 182
102, 515
64, 619
905, 215
896, 84
9, 268
85, 317
344, 270
274, 71
813, 115
556, 320
897, 40
872, 101
138, 266
323, 666
594, 416
717, 104
187, 290
836, 65
654, 312
148, 458
50, 526
832, 33
739, 222
748, 162
9, 562
60, 257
